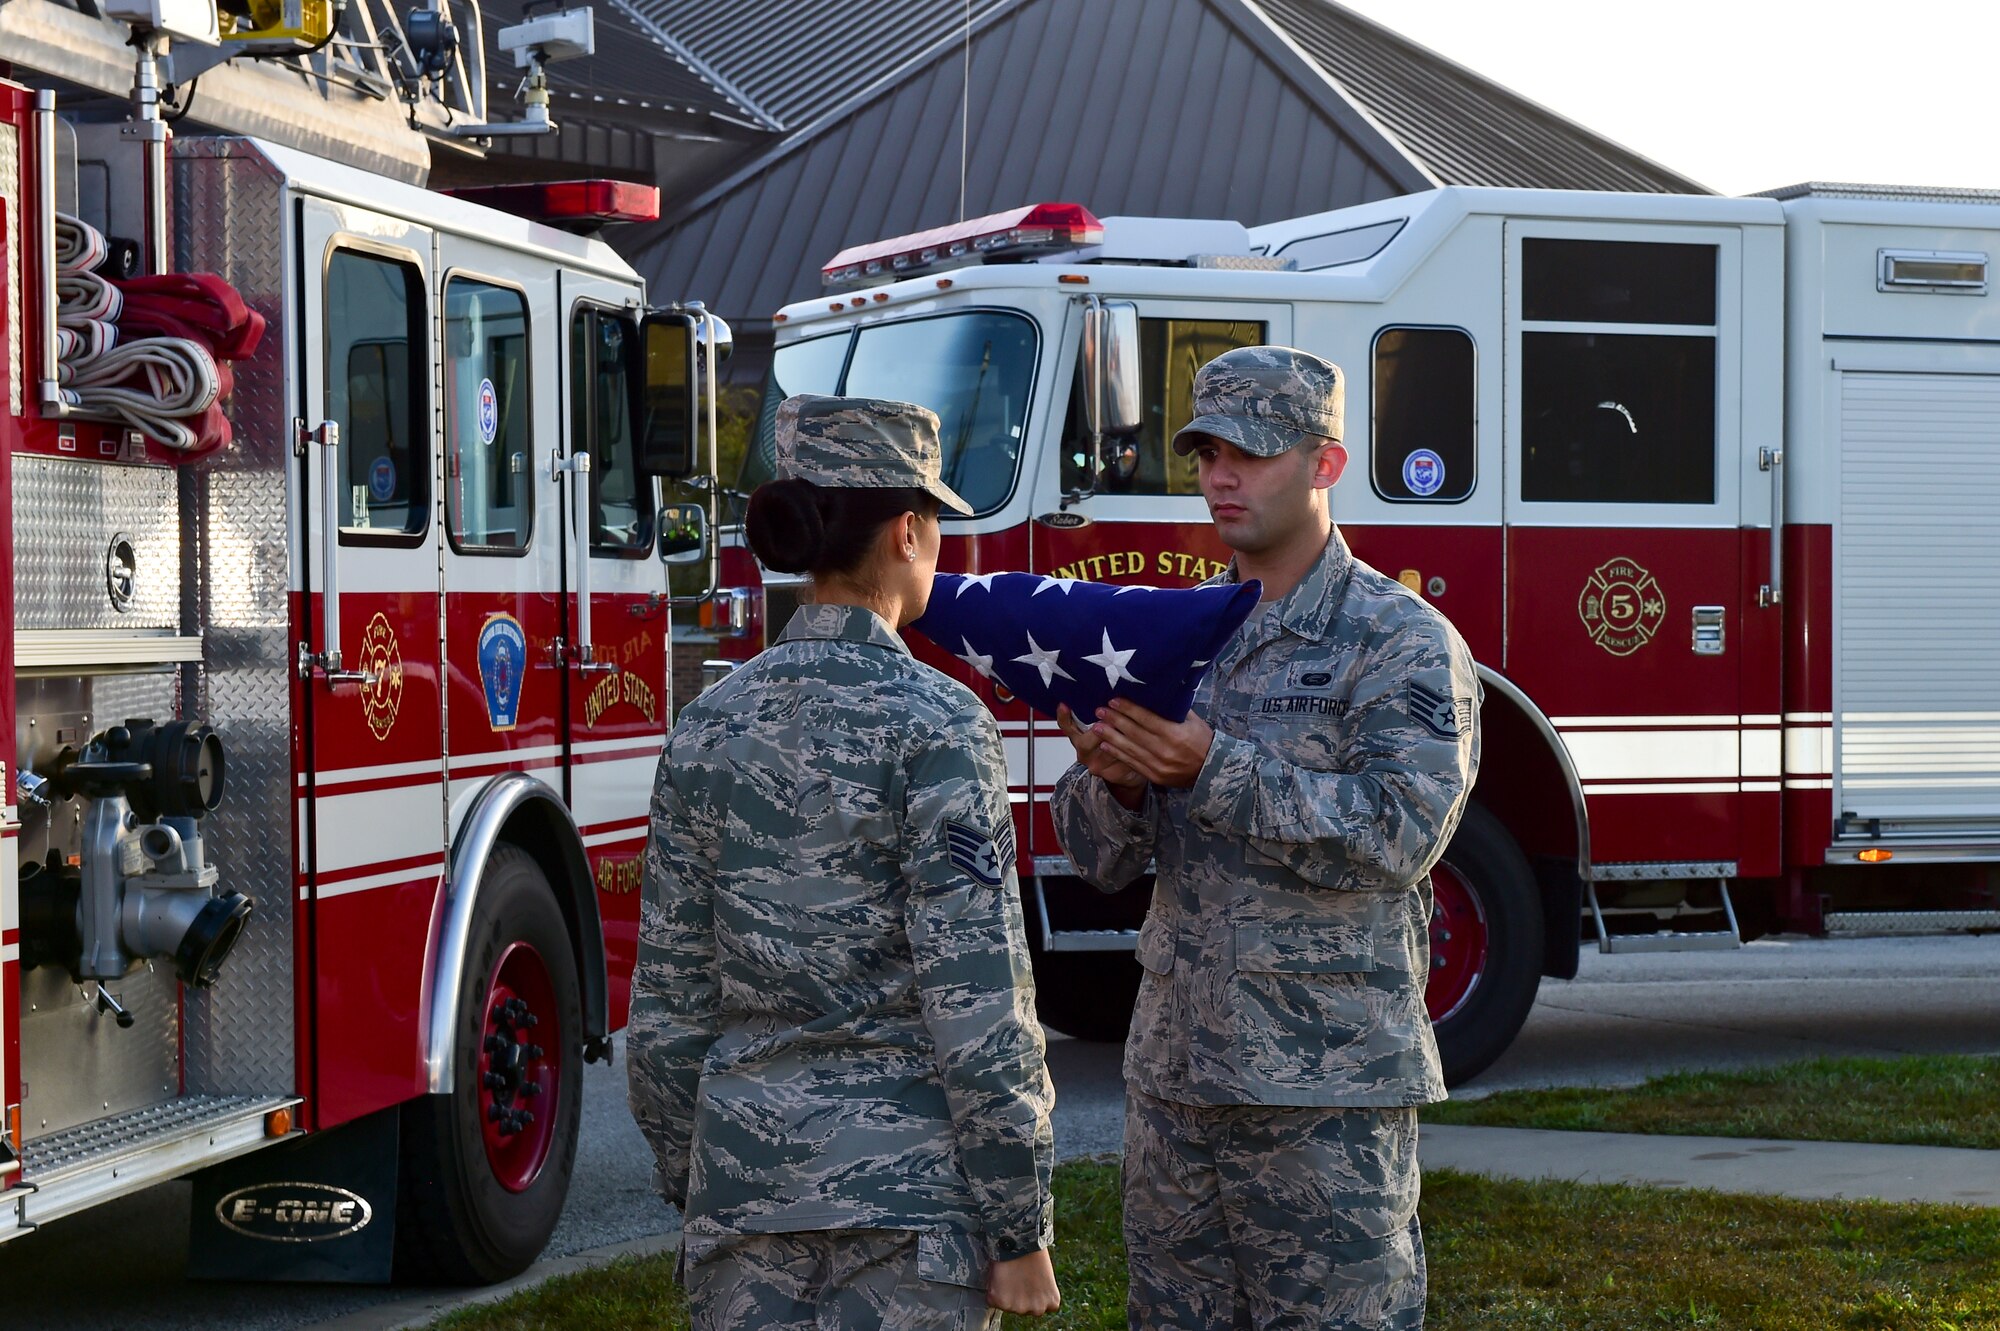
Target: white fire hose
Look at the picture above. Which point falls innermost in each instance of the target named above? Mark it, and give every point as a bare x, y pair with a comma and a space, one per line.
151, 383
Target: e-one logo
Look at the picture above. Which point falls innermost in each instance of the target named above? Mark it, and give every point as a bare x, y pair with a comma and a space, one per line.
294, 1212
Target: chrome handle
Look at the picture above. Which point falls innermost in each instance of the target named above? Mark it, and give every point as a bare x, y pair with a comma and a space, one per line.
578, 467
326, 662
1773, 460
1708, 627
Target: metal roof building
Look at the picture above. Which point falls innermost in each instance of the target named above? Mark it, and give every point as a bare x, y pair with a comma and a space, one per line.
1254, 110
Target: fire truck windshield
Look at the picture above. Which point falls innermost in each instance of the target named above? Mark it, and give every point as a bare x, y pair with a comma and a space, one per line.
975, 369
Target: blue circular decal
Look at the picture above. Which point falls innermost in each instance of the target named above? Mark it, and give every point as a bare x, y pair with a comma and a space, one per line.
382, 479
489, 412
1423, 472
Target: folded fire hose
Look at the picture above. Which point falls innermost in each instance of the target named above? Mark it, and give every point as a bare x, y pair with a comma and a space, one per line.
151, 351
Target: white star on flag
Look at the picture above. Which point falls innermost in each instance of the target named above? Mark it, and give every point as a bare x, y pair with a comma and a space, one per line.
1044, 661
984, 580
983, 664
1114, 662
1062, 584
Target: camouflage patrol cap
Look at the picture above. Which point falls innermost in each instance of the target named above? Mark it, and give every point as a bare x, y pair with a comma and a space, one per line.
1265, 400
862, 443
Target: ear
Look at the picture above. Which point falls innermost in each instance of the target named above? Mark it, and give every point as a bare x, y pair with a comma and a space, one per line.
1329, 461
903, 537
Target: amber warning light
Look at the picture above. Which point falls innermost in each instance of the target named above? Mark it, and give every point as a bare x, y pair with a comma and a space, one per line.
572, 204
1041, 228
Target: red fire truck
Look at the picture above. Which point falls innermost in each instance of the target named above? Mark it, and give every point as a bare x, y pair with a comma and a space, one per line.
1705, 483
335, 718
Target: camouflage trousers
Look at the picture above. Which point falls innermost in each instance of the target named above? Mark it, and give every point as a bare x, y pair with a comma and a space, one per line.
836, 1280
1268, 1218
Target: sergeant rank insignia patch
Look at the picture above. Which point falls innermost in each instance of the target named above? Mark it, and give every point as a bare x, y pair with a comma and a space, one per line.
978, 854
1447, 718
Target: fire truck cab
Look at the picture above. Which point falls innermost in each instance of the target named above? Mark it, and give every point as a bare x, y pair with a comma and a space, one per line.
1701, 480
333, 738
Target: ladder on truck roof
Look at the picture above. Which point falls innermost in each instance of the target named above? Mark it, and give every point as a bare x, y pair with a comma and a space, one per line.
363, 97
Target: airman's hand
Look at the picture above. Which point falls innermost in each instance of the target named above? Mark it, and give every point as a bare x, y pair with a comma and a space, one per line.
1127, 786
1166, 753
1025, 1286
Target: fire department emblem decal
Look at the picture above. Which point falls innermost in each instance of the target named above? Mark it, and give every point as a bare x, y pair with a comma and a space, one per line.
1622, 607
503, 651
382, 689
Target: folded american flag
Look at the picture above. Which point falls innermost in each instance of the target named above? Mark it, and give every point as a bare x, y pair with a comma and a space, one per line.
1063, 640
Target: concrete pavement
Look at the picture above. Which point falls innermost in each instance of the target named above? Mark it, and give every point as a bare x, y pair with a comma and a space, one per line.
1819, 1171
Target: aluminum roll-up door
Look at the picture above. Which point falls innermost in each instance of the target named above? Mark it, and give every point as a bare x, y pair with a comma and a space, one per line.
1917, 598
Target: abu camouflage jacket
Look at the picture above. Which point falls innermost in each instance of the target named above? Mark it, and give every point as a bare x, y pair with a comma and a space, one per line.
1288, 943
832, 1017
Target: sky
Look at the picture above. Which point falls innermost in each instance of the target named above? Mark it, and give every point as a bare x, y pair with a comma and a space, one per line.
1750, 94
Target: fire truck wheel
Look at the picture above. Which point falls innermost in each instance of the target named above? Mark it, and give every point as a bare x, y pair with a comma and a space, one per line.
1486, 945
486, 1168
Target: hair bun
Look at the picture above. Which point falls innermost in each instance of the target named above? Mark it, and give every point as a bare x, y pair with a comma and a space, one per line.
784, 526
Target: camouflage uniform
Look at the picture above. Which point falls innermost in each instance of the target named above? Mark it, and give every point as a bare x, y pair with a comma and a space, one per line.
833, 1045
1280, 1040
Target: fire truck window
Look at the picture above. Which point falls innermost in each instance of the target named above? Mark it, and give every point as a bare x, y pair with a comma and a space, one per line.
376, 373
1170, 351
1613, 418
811, 366
602, 347
489, 487
976, 371
1425, 441
1617, 281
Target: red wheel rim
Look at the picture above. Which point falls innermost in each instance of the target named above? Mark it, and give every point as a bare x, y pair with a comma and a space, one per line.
520, 1067
1458, 942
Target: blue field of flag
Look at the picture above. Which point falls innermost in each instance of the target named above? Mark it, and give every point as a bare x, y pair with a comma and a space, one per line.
1052, 640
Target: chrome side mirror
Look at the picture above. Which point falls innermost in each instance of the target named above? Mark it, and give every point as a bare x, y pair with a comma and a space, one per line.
1111, 368
683, 534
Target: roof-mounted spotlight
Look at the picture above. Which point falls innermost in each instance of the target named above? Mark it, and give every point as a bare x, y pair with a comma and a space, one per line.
536, 44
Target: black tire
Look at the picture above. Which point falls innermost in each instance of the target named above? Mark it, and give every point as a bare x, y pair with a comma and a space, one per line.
1087, 995
455, 1222
1486, 859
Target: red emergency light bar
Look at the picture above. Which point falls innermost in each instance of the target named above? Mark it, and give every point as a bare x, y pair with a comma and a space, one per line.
1036, 229
570, 203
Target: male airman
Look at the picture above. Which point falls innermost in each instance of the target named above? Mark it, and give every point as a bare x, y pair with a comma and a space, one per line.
1280, 1045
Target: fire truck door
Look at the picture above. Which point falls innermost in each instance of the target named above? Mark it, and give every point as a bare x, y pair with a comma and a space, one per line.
501, 415
369, 704
1147, 522
616, 718
1624, 501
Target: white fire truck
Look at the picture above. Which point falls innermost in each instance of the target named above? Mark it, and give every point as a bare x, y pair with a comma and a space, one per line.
1705, 482
339, 654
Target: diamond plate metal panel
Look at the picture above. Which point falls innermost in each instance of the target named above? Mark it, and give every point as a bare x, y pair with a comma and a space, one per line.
66, 514
77, 1065
229, 218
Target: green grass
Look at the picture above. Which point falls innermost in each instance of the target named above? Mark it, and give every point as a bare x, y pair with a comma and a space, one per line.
1941, 1100
1506, 1255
